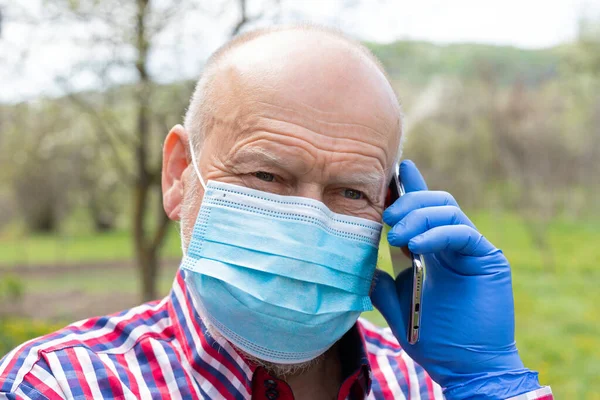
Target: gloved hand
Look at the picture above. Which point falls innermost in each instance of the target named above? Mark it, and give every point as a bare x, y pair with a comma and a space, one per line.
467, 341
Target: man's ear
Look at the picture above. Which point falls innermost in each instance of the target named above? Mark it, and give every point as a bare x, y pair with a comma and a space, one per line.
174, 163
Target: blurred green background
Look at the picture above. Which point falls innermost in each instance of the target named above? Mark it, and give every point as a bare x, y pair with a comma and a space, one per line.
512, 133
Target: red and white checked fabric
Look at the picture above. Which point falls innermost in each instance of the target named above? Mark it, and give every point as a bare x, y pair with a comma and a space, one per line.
161, 350
541, 394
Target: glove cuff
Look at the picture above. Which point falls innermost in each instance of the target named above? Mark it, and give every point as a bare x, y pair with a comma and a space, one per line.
495, 386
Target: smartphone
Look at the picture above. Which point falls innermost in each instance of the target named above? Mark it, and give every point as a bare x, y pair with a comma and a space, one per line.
418, 270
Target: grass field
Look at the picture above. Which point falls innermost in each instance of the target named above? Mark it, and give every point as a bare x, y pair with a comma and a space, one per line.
72, 248
558, 308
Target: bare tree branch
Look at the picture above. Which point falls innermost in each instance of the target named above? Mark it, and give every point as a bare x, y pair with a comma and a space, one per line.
171, 14
243, 18
108, 120
103, 128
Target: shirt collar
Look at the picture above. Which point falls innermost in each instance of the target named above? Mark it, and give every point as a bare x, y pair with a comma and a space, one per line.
231, 370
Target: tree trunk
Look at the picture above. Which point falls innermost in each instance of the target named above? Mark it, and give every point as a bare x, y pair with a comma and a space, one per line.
44, 221
148, 263
142, 252
145, 248
104, 221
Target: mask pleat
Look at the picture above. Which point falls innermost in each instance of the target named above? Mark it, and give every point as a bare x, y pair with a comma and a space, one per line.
308, 298
293, 238
287, 267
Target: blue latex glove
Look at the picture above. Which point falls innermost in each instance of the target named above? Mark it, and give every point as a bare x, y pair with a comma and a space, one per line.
467, 340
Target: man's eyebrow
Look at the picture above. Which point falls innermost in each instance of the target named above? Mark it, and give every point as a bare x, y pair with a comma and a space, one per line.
370, 180
250, 154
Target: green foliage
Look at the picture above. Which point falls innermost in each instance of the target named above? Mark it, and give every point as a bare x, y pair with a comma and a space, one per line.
12, 289
75, 248
14, 331
418, 62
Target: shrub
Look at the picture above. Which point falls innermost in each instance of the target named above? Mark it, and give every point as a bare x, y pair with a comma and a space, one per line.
14, 331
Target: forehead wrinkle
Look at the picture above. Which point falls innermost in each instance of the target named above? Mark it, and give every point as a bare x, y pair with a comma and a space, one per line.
324, 142
300, 143
259, 143
386, 139
324, 114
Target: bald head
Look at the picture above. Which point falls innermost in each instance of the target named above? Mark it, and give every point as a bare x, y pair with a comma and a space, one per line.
291, 59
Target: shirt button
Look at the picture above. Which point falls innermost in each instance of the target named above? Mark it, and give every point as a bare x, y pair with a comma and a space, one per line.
272, 394
270, 383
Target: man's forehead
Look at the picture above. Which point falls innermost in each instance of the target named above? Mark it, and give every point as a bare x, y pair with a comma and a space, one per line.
305, 78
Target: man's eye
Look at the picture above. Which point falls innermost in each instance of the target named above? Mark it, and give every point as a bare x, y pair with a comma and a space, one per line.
353, 194
264, 176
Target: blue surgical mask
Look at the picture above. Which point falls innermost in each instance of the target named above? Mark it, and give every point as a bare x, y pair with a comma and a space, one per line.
282, 278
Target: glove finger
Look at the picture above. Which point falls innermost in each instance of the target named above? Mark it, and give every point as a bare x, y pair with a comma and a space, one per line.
410, 177
423, 219
462, 239
384, 297
415, 200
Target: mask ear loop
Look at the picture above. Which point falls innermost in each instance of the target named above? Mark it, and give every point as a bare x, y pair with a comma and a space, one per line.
195, 164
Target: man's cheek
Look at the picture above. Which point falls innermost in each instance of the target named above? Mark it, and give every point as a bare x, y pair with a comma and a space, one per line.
189, 211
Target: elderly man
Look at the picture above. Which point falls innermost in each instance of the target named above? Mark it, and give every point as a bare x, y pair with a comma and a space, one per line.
279, 177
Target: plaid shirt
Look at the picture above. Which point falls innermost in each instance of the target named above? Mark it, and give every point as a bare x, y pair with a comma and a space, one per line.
162, 350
